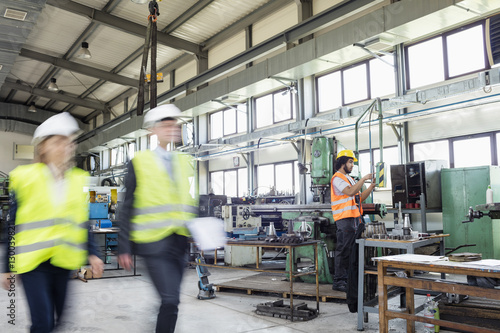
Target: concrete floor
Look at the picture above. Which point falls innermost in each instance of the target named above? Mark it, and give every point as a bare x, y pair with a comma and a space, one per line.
130, 304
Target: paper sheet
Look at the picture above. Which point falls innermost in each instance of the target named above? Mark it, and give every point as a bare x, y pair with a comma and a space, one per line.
208, 232
485, 262
413, 258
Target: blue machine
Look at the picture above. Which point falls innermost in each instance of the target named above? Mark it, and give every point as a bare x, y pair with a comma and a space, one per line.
206, 289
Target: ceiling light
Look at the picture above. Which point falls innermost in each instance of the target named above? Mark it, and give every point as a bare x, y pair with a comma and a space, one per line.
52, 85
32, 108
141, 2
84, 52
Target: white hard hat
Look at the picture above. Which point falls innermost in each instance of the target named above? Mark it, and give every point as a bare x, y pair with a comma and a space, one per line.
60, 124
161, 112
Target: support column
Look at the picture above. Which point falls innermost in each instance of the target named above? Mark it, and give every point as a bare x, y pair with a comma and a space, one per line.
202, 66
305, 11
249, 41
400, 81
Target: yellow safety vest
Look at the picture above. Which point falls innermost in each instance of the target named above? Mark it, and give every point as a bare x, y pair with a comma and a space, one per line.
46, 230
162, 205
344, 206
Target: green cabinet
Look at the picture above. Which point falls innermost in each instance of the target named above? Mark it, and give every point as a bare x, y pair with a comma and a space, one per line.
463, 188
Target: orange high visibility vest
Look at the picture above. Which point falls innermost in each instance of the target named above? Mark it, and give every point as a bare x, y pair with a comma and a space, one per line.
344, 206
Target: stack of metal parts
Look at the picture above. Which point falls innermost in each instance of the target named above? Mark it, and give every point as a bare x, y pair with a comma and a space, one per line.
277, 309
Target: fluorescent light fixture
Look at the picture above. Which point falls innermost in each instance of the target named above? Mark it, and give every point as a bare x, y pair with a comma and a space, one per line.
84, 52
140, 2
52, 85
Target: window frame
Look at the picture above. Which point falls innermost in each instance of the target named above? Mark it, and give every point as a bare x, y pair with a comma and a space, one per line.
293, 107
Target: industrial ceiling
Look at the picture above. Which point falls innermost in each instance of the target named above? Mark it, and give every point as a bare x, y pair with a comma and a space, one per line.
40, 41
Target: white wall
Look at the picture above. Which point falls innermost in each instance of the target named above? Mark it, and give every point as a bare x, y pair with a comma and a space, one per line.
7, 140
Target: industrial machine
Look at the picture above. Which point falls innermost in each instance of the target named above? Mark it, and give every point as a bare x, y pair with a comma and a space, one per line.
206, 289
457, 207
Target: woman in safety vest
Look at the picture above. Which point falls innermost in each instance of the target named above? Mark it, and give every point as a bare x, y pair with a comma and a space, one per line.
155, 210
48, 223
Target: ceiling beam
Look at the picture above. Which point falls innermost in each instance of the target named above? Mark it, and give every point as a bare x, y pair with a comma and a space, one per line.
124, 25
187, 15
79, 68
87, 103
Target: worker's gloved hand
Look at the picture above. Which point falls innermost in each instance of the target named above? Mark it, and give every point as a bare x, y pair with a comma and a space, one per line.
7, 280
125, 260
97, 266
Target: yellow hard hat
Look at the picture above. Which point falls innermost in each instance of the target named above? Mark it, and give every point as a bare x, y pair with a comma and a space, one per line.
348, 153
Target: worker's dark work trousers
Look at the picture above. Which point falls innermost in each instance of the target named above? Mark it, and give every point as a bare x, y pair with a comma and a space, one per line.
45, 288
166, 269
346, 229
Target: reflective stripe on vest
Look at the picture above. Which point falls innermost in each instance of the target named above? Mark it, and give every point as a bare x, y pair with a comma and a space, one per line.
46, 230
344, 206
162, 205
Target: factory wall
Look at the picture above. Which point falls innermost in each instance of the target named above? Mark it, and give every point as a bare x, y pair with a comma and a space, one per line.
7, 141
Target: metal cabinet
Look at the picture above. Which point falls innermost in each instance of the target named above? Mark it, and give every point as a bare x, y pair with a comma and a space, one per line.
464, 188
411, 180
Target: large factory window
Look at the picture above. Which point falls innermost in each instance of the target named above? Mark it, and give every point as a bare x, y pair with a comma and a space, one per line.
329, 92
277, 179
265, 179
466, 51
216, 125
153, 142
462, 149
284, 178
105, 159
425, 62
131, 150
382, 77
455, 53
229, 182
274, 108
228, 122
432, 150
390, 158
243, 182
355, 84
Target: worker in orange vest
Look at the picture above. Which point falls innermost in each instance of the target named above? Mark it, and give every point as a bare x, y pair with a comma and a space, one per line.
346, 197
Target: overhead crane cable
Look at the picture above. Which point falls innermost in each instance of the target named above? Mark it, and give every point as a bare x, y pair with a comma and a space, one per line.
149, 43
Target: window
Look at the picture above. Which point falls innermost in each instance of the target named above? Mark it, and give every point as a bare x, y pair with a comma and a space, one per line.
153, 142
228, 122
232, 183
216, 125
463, 148
434, 150
274, 108
217, 182
466, 51
382, 78
355, 84
283, 177
243, 182
296, 182
105, 159
329, 92
117, 156
131, 150
425, 62
265, 178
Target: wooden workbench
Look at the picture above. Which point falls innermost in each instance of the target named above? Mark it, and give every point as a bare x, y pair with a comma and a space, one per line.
410, 263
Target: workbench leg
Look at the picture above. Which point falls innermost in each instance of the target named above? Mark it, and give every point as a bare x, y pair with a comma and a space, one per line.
382, 298
442, 254
316, 255
361, 283
410, 306
290, 260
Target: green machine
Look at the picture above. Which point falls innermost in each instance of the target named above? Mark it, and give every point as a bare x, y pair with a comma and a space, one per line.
317, 223
463, 188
